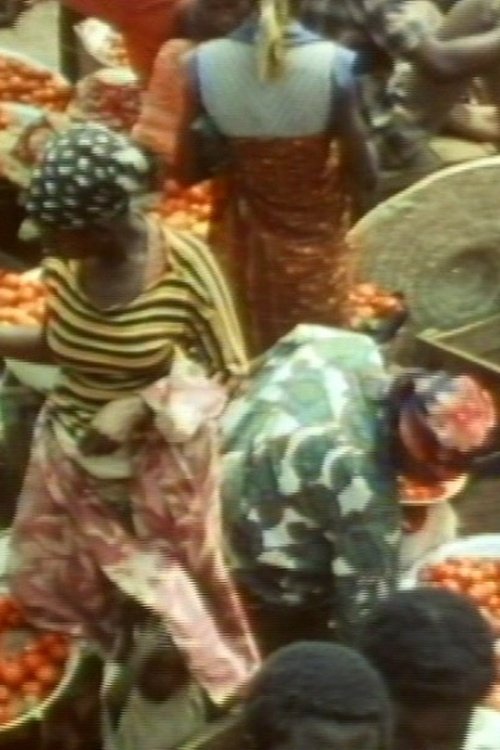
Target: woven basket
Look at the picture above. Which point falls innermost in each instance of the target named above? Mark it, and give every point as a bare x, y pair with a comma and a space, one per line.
73, 664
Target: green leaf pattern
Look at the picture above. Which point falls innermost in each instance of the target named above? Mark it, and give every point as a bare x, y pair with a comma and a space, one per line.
309, 492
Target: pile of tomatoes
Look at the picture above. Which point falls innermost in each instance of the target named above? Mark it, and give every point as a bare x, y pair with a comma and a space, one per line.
368, 302
190, 209
477, 578
22, 300
31, 665
27, 84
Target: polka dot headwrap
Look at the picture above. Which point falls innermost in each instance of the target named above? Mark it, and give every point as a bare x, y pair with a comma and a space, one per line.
87, 173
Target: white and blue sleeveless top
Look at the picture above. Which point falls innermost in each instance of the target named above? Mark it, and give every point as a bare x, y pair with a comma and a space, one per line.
302, 102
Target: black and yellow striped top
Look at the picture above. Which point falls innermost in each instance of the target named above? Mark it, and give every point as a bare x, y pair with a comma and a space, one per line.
107, 354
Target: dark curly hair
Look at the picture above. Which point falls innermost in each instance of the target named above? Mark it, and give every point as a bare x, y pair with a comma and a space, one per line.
310, 682
431, 645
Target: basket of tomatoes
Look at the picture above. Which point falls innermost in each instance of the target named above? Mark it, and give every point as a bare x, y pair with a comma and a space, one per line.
37, 668
470, 566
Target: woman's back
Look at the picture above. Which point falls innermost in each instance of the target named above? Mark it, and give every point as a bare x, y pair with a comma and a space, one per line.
300, 102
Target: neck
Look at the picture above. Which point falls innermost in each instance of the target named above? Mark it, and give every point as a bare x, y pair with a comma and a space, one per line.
128, 242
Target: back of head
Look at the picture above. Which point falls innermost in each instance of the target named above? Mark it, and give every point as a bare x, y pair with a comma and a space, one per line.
431, 645
311, 693
87, 173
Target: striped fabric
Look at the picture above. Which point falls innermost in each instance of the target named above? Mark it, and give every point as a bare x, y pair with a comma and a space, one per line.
108, 354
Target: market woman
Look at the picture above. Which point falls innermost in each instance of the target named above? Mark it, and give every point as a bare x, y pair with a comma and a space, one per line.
145, 24
284, 100
313, 449
120, 502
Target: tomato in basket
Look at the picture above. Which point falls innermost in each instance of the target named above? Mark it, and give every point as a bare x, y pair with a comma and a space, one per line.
478, 578
22, 300
31, 663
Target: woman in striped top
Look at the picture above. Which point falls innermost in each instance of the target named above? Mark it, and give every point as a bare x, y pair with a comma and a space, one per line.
120, 502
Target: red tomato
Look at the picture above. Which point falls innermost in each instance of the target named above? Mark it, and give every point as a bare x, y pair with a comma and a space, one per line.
58, 652
4, 694
7, 713
33, 661
48, 675
46, 640
12, 673
11, 280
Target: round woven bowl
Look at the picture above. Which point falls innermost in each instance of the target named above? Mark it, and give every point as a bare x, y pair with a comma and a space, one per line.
73, 664
439, 244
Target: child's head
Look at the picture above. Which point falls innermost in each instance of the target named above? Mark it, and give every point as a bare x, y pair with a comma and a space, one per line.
435, 652
317, 695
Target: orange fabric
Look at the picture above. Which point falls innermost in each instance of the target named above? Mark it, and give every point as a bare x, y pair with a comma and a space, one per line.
290, 213
167, 104
145, 24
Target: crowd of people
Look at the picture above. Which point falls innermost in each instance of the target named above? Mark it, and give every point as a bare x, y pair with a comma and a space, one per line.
212, 497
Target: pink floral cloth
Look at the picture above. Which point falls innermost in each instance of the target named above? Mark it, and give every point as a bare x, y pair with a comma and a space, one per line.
80, 543
459, 412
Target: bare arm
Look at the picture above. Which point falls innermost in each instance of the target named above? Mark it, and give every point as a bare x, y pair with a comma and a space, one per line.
453, 58
26, 343
358, 152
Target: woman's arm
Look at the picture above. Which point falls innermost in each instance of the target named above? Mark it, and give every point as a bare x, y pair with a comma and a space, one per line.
26, 343
358, 152
454, 58
169, 107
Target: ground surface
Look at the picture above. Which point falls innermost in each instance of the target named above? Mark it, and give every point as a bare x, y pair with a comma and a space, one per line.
35, 34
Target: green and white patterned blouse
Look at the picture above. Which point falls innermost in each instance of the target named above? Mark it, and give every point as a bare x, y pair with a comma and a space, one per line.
309, 491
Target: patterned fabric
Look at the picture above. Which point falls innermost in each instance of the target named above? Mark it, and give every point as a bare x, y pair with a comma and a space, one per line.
460, 413
187, 309
394, 25
287, 232
309, 492
88, 173
80, 545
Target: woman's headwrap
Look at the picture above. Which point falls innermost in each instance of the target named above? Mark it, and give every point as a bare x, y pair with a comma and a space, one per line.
458, 411
87, 173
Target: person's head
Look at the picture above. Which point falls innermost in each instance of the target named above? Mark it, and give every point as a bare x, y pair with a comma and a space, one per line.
82, 191
444, 421
216, 18
435, 651
317, 695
